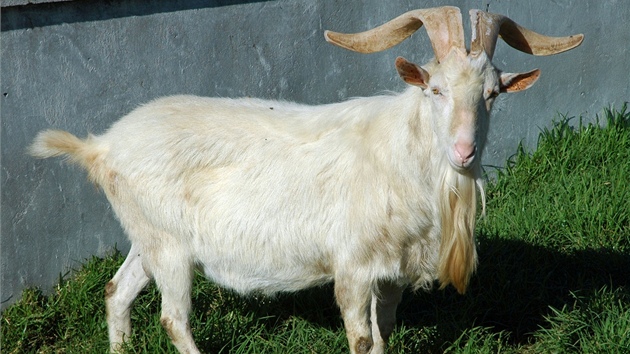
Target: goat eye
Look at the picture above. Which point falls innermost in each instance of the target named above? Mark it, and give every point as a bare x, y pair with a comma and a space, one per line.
435, 91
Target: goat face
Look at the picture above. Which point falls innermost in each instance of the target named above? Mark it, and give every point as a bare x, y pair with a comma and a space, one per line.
461, 90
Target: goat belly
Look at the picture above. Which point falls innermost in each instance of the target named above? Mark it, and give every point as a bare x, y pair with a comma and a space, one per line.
248, 272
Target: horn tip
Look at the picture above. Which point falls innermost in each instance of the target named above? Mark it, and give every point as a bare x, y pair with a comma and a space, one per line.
327, 35
579, 38
571, 42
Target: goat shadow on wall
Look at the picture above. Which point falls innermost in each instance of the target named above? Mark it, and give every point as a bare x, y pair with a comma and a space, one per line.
514, 288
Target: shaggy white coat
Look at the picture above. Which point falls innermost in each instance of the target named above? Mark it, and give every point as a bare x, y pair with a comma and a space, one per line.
274, 196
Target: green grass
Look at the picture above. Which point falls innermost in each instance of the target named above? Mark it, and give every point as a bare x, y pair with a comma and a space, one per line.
554, 275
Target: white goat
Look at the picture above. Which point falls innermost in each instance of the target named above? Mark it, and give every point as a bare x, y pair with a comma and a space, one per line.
374, 193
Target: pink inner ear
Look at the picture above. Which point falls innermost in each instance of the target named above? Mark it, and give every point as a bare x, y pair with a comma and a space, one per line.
412, 73
519, 82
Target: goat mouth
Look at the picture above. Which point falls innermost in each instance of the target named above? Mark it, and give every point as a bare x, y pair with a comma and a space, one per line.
463, 163
463, 167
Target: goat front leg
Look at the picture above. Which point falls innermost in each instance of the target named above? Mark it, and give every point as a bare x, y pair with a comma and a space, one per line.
385, 300
120, 292
353, 299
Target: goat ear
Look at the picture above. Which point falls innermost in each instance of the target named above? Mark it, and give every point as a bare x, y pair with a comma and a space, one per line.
518, 82
412, 73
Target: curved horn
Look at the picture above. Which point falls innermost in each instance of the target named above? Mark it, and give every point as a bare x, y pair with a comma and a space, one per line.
487, 27
443, 24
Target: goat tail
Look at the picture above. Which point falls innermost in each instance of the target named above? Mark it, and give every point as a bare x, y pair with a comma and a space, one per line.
86, 153
51, 143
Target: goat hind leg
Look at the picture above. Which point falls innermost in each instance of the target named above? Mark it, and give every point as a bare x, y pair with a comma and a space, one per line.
173, 276
120, 292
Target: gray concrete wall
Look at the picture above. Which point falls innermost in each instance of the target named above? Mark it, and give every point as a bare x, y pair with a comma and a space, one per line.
80, 66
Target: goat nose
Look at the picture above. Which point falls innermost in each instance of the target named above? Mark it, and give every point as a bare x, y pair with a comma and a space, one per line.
465, 152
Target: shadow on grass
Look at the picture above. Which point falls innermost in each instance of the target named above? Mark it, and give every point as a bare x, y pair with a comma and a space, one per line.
260, 316
515, 285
